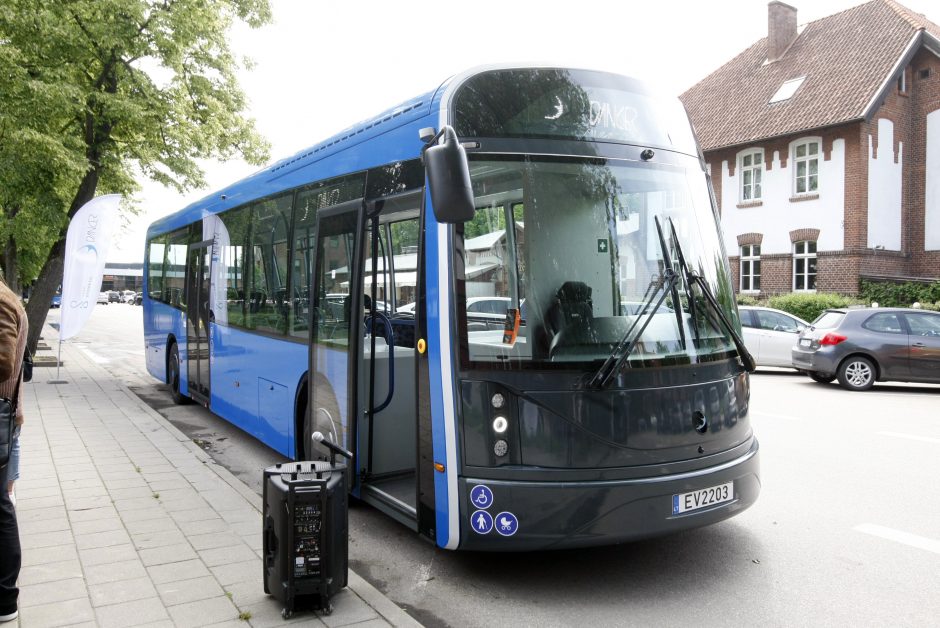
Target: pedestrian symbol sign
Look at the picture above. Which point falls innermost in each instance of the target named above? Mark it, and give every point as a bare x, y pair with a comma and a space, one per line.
482, 522
506, 523
481, 496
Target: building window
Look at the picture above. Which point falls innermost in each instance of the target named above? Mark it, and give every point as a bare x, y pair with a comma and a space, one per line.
750, 268
806, 167
751, 165
804, 265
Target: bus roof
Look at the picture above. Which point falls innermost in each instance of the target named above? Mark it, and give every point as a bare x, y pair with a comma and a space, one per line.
394, 133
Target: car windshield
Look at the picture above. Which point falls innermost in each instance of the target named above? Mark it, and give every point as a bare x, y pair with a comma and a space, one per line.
573, 245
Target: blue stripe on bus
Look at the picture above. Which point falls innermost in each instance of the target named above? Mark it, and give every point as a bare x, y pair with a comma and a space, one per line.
435, 378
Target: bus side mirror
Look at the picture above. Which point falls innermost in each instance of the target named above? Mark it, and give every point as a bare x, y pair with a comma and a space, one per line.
449, 179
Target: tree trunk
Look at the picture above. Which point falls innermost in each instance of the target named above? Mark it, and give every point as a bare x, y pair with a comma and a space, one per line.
50, 277
10, 271
41, 298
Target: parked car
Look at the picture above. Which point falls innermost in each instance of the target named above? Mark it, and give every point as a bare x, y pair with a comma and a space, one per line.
770, 334
128, 296
56, 300
861, 346
139, 298
114, 296
103, 298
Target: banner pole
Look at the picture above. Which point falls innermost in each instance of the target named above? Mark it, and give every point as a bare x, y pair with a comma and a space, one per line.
58, 365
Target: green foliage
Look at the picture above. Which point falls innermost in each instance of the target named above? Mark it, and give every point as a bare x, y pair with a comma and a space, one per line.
889, 294
744, 299
809, 306
95, 92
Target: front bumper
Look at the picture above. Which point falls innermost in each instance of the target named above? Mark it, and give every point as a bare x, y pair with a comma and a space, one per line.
556, 515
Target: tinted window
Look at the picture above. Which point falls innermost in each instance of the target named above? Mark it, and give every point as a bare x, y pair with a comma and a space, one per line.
746, 317
233, 259
924, 324
309, 201
156, 255
828, 320
267, 298
884, 322
175, 269
569, 104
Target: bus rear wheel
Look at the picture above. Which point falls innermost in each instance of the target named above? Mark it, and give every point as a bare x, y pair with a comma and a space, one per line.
173, 376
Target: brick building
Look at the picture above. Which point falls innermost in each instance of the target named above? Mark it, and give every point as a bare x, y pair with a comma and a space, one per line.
823, 143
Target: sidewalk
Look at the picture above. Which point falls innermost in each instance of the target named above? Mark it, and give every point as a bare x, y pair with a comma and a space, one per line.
124, 521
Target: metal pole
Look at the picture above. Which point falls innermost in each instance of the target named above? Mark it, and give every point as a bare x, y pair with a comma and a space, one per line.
58, 364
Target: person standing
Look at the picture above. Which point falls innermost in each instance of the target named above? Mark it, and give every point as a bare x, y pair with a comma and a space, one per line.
13, 331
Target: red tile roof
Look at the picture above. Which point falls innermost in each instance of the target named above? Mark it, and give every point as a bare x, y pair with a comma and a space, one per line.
846, 59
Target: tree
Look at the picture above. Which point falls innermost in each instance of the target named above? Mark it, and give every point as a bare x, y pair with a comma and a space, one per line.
93, 92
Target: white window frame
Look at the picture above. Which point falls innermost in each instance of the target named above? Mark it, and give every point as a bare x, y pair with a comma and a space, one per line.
811, 160
750, 162
750, 253
801, 252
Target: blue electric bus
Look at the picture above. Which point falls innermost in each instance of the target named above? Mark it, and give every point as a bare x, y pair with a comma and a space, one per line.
508, 297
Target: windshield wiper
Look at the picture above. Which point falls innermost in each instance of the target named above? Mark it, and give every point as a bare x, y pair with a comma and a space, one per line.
667, 284
690, 277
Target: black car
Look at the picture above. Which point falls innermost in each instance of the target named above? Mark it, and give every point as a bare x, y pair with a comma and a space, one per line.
114, 297
862, 346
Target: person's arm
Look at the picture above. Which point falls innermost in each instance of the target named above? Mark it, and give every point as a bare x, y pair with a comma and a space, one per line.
9, 330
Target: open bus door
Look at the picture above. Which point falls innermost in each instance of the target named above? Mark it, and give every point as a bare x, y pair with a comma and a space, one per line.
363, 360
198, 277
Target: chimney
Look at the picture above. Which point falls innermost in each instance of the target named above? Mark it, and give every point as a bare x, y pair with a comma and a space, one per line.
781, 28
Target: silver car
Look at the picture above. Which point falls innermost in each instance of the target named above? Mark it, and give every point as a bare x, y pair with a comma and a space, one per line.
862, 346
770, 334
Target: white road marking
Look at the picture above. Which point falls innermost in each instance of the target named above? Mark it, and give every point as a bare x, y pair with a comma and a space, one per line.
94, 356
923, 439
906, 538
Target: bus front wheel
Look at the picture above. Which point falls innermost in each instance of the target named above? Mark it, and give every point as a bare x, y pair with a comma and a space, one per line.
326, 420
173, 376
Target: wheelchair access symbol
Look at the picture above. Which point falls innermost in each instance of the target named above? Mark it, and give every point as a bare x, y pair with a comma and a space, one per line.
506, 523
482, 522
481, 496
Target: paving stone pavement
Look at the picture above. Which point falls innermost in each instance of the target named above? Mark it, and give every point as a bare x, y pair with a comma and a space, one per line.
124, 521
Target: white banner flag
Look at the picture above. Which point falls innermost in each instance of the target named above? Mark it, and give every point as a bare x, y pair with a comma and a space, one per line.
86, 249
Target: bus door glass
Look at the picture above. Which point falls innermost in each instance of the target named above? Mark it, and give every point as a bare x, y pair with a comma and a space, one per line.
333, 335
388, 427
198, 273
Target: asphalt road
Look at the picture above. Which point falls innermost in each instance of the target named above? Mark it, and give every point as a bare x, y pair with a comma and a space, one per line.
846, 530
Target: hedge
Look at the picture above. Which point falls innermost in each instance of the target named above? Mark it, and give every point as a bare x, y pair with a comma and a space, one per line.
807, 306
888, 294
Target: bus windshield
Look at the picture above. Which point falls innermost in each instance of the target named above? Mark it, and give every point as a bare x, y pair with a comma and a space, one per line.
573, 246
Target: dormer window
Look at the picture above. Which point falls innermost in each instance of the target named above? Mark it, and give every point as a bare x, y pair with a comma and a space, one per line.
787, 90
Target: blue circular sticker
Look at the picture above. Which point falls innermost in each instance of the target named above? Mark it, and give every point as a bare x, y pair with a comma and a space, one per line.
481, 496
506, 523
482, 522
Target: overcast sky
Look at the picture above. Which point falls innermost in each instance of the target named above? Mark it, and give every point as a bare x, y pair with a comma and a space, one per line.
320, 67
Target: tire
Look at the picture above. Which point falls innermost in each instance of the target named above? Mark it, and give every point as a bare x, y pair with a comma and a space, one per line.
173, 376
820, 378
857, 373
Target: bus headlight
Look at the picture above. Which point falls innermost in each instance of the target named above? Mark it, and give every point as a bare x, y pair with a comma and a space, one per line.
500, 448
498, 401
500, 424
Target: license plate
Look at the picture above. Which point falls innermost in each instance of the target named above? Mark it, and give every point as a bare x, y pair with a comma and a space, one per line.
687, 502
806, 342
